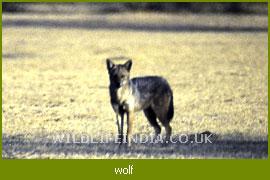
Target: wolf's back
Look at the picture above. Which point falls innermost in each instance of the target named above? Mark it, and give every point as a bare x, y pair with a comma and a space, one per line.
155, 86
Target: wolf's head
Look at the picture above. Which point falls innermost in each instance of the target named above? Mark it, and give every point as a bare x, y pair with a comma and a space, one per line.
119, 73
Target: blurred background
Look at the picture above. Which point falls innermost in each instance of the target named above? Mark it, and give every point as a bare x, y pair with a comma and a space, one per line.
169, 7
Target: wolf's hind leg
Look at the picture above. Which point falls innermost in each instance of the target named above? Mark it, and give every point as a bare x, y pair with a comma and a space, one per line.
168, 129
166, 123
161, 109
152, 118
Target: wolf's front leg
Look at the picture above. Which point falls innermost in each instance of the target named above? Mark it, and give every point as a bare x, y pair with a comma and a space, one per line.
118, 125
117, 122
121, 135
129, 126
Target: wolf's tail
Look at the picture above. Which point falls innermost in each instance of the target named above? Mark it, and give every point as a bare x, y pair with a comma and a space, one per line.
171, 109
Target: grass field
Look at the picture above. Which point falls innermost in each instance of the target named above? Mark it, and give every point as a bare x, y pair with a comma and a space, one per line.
54, 80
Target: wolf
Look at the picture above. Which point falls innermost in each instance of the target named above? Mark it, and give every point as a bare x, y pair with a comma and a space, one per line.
152, 94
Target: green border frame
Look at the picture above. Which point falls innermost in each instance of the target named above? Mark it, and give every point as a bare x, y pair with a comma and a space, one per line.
167, 168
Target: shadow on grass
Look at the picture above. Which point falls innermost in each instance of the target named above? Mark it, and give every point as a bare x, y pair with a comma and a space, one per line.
104, 24
17, 55
244, 149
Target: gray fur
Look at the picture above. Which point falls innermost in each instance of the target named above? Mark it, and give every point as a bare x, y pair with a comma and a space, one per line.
152, 94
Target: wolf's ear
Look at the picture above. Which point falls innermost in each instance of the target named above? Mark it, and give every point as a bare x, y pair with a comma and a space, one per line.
128, 65
110, 64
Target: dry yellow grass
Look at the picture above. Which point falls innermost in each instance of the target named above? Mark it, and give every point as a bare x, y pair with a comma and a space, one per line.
55, 81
